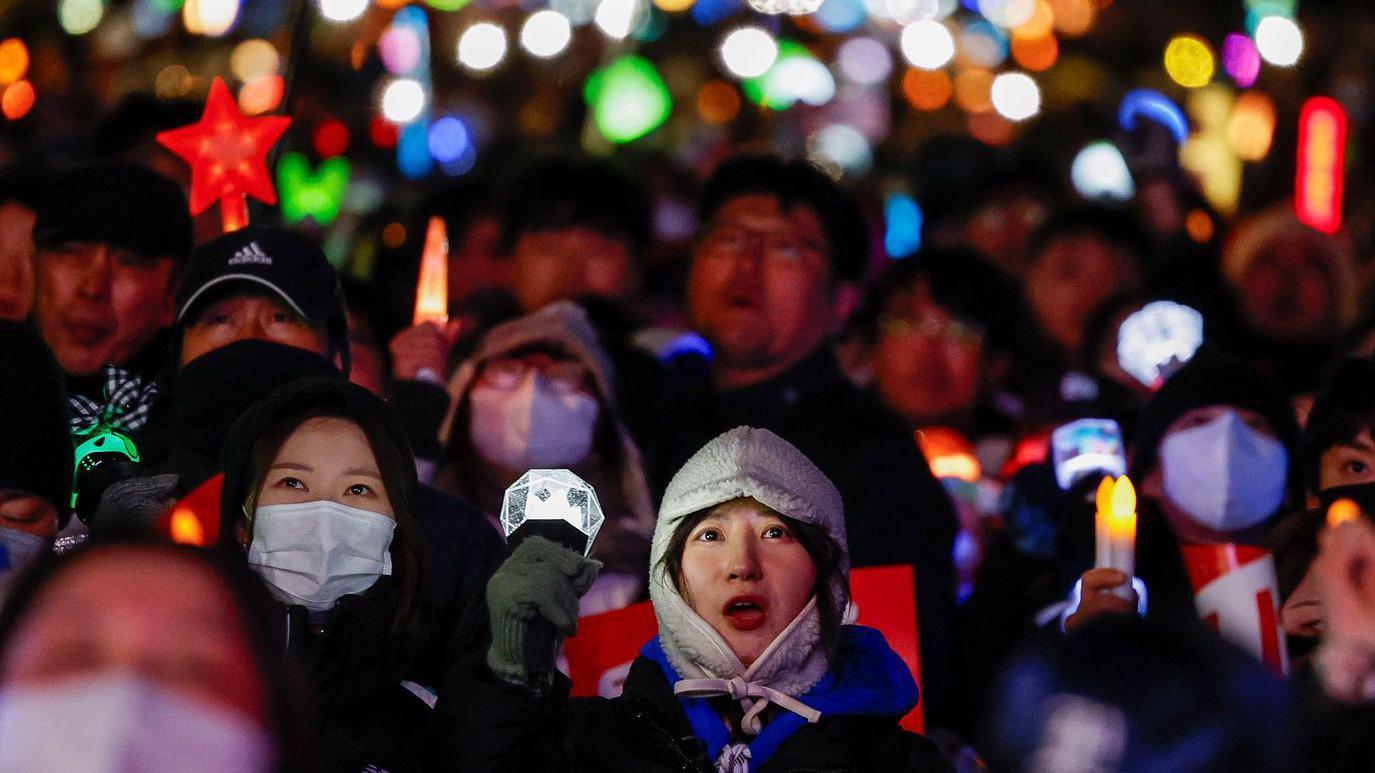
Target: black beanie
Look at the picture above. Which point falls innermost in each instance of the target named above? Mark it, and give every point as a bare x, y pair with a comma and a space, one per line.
1211, 379
36, 454
116, 203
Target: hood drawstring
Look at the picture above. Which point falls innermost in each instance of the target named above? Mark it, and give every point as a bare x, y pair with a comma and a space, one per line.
734, 759
753, 697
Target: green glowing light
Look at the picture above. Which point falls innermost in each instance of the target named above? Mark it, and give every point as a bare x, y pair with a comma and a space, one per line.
317, 193
628, 99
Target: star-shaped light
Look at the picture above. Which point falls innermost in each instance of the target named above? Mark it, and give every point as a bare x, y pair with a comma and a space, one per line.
227, 152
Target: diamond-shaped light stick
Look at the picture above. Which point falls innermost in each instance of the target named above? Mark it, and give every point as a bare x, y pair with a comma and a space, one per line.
554, 504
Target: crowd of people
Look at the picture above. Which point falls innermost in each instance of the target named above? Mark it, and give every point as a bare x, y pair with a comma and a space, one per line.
251, 513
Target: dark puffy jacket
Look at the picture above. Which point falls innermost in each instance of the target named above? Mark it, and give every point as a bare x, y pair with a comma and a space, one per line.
647, 729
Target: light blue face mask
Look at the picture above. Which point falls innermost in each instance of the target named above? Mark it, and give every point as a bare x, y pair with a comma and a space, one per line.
313, 553
1223, 474
18, 549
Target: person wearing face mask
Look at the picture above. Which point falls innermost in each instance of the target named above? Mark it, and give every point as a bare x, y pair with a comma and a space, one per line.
320, 500
538, 392
92, 678
36, 457
753, 668
1211, 459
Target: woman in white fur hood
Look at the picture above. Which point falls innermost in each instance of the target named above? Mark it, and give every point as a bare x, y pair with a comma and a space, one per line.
753, 668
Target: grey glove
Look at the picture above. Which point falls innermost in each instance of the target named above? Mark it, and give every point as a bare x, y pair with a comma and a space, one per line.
541, 578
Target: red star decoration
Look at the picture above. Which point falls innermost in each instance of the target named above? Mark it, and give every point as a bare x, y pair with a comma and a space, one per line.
227, 152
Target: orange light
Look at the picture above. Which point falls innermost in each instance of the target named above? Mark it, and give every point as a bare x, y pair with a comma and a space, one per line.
991, 128
1322, 150
1200, 226
1342, 511
1040, 23
1251, 127
14, 61
18, 100
1073, 17
393, 236
949, 454
926, 89
262, 94
1035, 54
718, 103
1115, 525
973, 90
185, 527
432, 288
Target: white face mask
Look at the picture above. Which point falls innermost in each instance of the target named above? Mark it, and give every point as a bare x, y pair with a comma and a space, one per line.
312, 553
120, 722
1223, 474
531, 425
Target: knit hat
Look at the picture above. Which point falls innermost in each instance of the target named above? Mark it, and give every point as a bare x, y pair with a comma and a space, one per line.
36, 455
1278, 223
565, 326
116, 203
754, 463
1210, 379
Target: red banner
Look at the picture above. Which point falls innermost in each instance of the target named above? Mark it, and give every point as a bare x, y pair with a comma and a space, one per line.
1236, 592
599, 656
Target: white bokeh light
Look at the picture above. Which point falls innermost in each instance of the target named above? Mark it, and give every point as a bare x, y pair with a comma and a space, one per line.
1015, 96
748, 52
1279, 40
482, 46
546, 33
342, 10
927, 44
864, 61
1099, 172
801, 78
616, 18
403, 100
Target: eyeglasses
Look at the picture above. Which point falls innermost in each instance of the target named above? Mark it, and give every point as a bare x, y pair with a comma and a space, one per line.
947, 330
779, 246
562, 376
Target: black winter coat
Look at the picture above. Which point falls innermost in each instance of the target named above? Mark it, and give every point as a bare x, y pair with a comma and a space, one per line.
645, 730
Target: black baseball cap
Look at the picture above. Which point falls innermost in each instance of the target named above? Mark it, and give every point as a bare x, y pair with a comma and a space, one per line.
116, 203
287, 264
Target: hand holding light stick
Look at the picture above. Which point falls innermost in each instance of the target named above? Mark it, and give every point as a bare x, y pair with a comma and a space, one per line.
562, 508
1115, 525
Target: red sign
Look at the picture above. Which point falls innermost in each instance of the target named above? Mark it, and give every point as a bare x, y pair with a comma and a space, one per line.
599, 656
1236, 592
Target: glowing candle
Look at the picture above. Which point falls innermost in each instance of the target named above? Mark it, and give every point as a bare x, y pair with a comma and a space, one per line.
1116, 525
432, 289
1342, 511
1103, 547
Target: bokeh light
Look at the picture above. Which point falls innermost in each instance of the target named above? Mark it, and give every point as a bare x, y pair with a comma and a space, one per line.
718, 102
448, 139
79, 17
673, 6
1100, 172
1241, 60
17, 100
1007, 13
1073, 17
973, 90
382, 133
14, 61
546, 33
981, 45
628, 99
331, 138
1015, 96
252, 58
748, 52
927, 89
617, 18
261, 95
864, 61
927, 44
482, 46
1189, 61
1279, 41
342, 10
1035, 54
1251, 127
841, 15
403, 100
902, 225
173, 82
841, 149
399, 47
211, 18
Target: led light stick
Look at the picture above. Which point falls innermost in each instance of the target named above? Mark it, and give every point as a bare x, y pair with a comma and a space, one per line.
432, 288
1115, 528
227, 152
562, 508
1322, 149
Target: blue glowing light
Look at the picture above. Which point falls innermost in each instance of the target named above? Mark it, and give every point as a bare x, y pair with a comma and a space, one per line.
448, 139
902, 234
1149, 103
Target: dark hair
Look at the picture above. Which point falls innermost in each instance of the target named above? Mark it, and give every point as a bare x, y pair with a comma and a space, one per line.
286, 698
571, 192
259, 434
1340, 413
795, 183
824, 551
1114, 226
22, 183
962, 281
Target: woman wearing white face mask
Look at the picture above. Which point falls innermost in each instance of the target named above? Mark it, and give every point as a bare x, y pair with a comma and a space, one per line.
147, 657
538, 393
1212, 459
319, 497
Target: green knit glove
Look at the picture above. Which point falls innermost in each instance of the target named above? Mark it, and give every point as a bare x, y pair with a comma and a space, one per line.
541, 578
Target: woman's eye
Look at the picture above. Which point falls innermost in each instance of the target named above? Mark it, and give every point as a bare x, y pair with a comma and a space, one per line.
710, 535
775, 532
360, 489
1356, 467
292, 483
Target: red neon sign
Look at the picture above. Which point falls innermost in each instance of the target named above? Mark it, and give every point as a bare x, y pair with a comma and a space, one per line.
1319, 178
